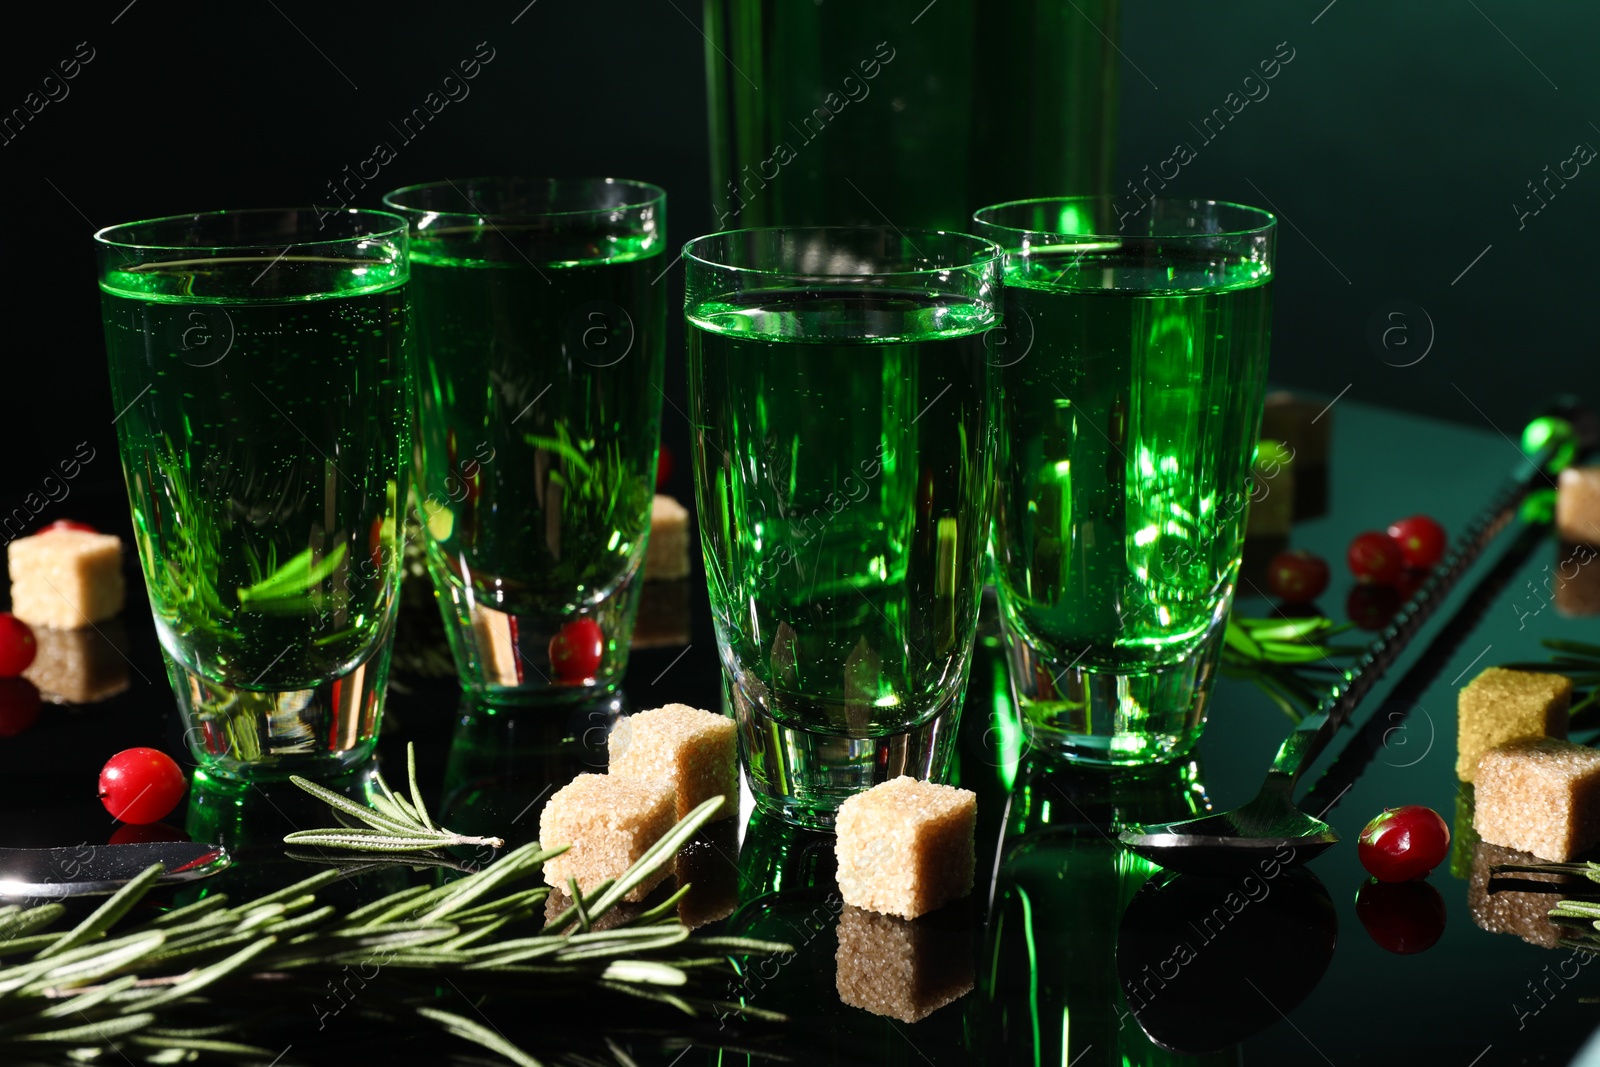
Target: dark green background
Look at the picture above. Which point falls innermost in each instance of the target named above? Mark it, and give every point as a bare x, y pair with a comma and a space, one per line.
1393, 146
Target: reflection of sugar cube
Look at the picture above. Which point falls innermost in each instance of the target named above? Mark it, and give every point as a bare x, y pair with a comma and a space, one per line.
693, 751
65, 578
905, 847
1501, 909
904, 969
79, 666
707, 865
1272, 495
1500, 705
1541, 797
609, 821
1578, 505
667, 555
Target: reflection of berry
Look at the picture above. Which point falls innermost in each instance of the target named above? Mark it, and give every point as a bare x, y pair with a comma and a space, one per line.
1375, 558
19, 706
1421, 540
1372, 606
145, 834
17, 645
1403, 843
141, 785
1297, 577
1403, 917
663, 466
575, 651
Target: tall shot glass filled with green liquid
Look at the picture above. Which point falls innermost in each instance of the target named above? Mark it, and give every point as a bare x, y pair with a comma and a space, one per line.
263, 399
842, 389
540, 352
1133, 376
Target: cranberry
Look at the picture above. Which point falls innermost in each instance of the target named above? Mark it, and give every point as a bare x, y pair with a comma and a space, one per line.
1404, 843
663, 467
1422, 541
19, 705
1297, 576
1403, 917
141, 785
1375, 558
68, 524
17, 645
576, 650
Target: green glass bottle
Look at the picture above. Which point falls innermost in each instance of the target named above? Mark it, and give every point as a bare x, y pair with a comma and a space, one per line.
915, 113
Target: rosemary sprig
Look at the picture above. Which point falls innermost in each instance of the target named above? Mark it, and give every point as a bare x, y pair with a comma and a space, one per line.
196, 977
1277, 654
396, 824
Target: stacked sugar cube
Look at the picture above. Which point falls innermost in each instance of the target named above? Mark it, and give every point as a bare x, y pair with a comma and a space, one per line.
64, 579
664, 763
1534, 791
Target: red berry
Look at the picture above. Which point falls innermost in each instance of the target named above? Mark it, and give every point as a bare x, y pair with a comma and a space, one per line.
1297, 577
141, 785
663, 466
1422, 541
1403, 917
1375, 558
19, 705
68, 524
375, 544
1403, 843
17, 645
1371, 607
576, 650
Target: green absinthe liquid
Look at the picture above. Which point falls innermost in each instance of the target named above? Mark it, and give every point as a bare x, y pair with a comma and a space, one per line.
1132, 405
265, 441
540, 412
844, 471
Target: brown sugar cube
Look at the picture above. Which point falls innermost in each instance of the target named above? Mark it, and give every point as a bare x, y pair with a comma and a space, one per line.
1272, 494
1541, 797
900, 968
905, 847
694, 752
1498, 906
1577, 584
1304, 425
609, 822
558, 902
666, 557
79, 666
1578, 505
1500, 705
65, 578
496, 646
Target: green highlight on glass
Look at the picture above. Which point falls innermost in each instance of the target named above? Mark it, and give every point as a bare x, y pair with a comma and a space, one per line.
842, 389
540, 347
263, 403
1134, 372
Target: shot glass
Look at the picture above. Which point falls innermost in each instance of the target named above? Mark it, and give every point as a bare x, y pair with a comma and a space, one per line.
1133, 379
841, 390
263, 403
540, 346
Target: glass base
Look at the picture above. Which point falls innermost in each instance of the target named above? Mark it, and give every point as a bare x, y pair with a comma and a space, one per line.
1109, 717
506, 658
265, 735
802, 776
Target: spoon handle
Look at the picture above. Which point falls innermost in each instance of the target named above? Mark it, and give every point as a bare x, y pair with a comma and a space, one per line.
1301, 748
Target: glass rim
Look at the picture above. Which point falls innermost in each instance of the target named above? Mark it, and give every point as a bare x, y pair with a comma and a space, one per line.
649, 194
1269, 220
395, 226
991, 252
